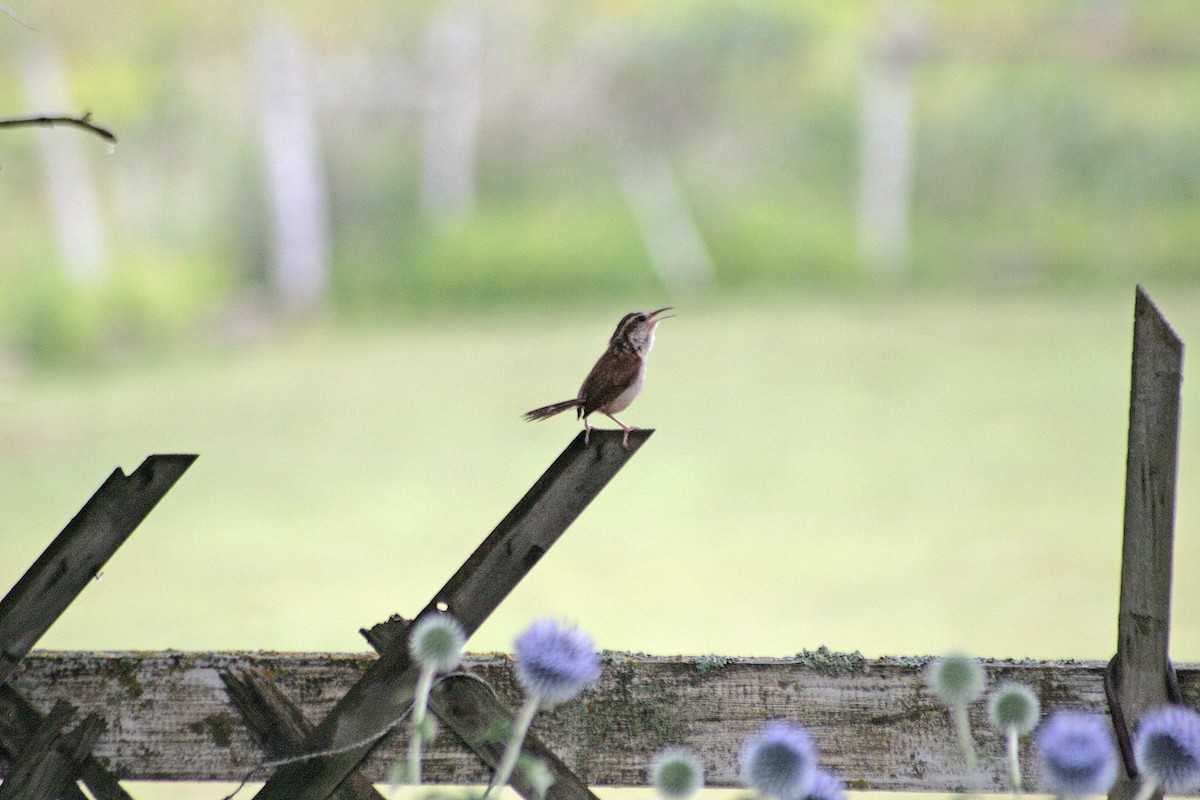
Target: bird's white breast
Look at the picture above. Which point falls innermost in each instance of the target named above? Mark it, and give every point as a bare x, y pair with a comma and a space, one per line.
626, 397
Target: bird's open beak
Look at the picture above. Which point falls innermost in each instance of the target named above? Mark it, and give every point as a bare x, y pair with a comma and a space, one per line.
654, 315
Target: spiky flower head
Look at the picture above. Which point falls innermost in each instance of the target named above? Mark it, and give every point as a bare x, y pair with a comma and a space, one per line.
676, 773
957, 679
780, 763
436, 640
1014, 706
1077, 754
555, 661
825, 786
537, 773
1167, 748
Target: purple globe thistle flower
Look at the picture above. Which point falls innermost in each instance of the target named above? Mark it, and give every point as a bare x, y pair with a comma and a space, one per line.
1077, 754
1167, 748
555, 661
781, 762
825, 786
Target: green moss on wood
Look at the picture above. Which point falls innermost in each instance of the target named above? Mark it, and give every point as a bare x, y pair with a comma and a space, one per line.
706, 664
124, 671
218, 727
827, 662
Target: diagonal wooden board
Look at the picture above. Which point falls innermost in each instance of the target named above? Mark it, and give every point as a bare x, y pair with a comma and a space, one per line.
383, 693
76, 555
58, 576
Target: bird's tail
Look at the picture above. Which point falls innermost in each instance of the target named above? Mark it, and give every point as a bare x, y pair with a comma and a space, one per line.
552, 409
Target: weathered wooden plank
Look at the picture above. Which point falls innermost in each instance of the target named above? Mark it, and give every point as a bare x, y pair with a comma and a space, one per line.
19, 721
169, 716
280, 727
50, 762
374, 703
1144, 616
468, 707
77, 554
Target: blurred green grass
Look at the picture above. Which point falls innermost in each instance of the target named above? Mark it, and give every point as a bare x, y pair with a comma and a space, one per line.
890, 473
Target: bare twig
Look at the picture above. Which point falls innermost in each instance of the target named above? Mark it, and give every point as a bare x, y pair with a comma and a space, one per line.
8, 12
84, 122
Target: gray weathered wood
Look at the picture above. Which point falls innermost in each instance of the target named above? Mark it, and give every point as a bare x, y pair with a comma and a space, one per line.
280, 727
170, 718
469, 708
375, 703
1144, 616
77, 554
19, 721
52, 758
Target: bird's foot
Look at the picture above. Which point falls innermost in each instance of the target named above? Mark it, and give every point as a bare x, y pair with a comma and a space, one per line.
625, 438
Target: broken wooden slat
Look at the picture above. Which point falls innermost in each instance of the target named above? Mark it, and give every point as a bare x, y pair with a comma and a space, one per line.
170, 718
77, 554
18, 722
50, 762
375, 704
1140, 666
280, 727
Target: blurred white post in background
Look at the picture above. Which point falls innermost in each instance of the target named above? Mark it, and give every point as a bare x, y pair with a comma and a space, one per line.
673, 242
299, 197
453, 102
886, 145
71, 182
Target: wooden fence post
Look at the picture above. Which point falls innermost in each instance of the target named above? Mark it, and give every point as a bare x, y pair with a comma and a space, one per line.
1140, 674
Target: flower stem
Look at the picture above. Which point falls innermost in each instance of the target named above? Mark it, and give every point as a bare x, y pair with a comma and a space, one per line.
1014, 763
513, 750
1147, 789
963, 727
421, 703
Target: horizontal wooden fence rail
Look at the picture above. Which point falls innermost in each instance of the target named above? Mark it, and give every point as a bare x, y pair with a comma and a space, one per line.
169, 716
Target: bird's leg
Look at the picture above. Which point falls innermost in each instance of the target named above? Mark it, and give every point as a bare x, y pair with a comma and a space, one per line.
624, 427
587, 431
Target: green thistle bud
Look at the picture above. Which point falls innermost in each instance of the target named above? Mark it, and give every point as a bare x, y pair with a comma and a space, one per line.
676, 773
957, 679
1014, 706
437, 641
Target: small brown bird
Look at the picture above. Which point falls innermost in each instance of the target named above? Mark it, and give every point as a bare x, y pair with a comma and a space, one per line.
617, 378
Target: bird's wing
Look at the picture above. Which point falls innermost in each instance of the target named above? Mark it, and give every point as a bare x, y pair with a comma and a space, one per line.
611, 376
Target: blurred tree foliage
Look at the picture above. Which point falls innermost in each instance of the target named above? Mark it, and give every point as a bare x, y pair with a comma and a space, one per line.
1054, 144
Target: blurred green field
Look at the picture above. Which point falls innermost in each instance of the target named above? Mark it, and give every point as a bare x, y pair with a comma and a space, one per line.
892, 474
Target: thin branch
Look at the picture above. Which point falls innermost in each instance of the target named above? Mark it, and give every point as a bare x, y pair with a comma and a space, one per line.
84, 122
8, 12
